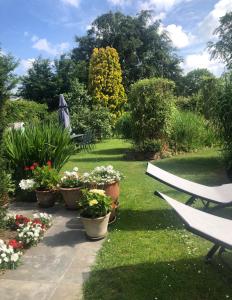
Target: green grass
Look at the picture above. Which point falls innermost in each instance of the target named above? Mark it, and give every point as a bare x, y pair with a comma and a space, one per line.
148, 254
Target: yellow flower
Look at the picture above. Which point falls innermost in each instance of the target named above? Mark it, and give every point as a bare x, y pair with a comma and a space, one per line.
99, 192
93, 202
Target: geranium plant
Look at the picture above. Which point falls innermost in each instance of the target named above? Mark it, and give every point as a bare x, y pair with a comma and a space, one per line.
71, 179
94, 204
101, 176
42, 178
9, 257
31, 233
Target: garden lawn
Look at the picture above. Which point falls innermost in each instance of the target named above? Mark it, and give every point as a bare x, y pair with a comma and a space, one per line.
148, 254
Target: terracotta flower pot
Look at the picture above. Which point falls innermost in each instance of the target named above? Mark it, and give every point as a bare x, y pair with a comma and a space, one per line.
71, 197
112, 190
96, 228
45, 199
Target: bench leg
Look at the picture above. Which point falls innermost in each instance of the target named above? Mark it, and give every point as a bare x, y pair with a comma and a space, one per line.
191, 200
211, 253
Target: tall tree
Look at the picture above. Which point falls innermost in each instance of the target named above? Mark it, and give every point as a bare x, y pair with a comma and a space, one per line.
105, 79
7, 83
40, 83
194, 79
222, 48
144, 51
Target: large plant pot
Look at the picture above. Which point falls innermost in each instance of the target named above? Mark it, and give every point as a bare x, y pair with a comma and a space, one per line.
45, 199
112, 190
71, 197
96, 228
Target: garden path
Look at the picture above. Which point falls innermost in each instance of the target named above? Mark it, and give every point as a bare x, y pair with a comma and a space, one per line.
58, 266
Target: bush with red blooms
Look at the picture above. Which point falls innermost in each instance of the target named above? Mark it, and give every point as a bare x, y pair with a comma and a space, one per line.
41, 178
16, 245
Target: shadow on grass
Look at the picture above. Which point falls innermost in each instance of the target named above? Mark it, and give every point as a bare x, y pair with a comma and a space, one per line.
115, 151
97, 159
178, 280
151, 220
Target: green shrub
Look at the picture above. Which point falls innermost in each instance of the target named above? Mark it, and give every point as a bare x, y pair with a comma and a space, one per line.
123, 126
151, 103
97, 120
190, 131
39, 143
25, 111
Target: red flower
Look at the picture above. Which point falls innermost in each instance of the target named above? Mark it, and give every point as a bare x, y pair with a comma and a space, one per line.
32, 167
49, 163
26, 168
15, 244
35, 164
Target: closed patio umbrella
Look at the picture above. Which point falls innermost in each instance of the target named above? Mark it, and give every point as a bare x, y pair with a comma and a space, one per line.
63, 112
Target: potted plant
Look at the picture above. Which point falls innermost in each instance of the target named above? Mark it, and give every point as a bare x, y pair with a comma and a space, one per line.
44, 181
106, 178
95, 213
70, 188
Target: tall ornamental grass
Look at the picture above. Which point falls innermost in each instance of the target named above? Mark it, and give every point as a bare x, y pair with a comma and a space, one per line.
37, 143
190, 131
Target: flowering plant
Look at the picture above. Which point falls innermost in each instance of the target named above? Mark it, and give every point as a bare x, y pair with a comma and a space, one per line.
101, 176
44, 218
95, 204
8, 256
31, 233
70, 179
43, 178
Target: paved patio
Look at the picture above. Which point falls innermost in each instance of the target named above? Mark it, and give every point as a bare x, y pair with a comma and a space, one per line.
58, 266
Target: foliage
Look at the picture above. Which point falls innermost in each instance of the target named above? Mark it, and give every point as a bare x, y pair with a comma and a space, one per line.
151, 102
190, 131
95, 204
70, 179
149, 145
97, 120
77, 96
40, 84
9, 257
105, 80
7, 82
39, 144
45, 177
123, 126
25, 111
194, 79
143, 51
222, 47
101, 176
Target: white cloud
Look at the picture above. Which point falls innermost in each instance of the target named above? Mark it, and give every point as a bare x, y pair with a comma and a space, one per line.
46, 46
26, 64
158, 5
120, 2
211, 21
202, 60
179, 37
74, 3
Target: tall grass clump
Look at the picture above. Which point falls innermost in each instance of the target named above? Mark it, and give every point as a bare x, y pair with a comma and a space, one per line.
190, 131
37, 143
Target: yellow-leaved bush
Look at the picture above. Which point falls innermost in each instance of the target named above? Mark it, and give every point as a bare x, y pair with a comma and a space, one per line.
105, 80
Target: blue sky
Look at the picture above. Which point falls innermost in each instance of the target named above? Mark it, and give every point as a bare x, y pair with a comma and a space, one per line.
30, 28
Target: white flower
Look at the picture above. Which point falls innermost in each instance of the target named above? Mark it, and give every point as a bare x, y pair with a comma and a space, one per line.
75, 169
14, 257
3, 255
26, 184
0, 261
6, 259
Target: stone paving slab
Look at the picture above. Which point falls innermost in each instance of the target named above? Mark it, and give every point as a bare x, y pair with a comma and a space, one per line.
58, 266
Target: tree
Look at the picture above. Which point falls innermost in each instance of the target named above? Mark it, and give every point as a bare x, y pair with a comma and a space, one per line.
194, 79
105, 79
144, 51
222, 48
40, 84
7, 83
65, 72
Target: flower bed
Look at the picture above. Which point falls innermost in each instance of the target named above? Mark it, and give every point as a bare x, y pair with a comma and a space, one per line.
26, 232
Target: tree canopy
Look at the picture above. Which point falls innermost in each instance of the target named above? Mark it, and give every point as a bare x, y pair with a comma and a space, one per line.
222, 48
144, 50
